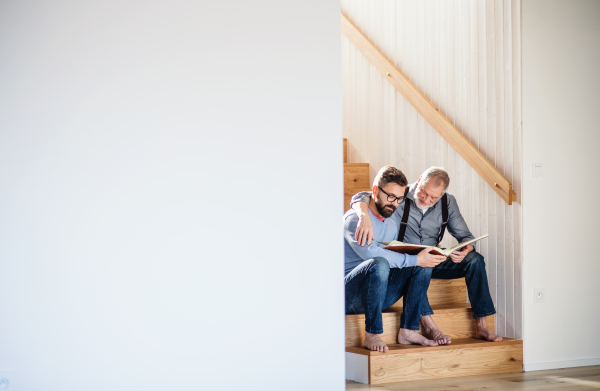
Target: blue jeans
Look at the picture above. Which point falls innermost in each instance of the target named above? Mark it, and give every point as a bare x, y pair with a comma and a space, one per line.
472, 267
373, 286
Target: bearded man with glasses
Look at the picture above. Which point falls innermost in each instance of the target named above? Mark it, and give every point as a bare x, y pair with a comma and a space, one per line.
376, 278
424, 215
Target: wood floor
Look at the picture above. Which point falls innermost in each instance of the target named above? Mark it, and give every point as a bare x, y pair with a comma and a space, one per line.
570, 379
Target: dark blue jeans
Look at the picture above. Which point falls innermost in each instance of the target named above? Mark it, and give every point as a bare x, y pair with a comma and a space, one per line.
373, 286
472, 268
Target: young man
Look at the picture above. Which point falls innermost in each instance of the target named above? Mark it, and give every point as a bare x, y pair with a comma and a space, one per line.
424, 226
376, 278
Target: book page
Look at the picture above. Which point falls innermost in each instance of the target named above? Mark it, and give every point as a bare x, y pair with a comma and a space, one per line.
395, 243
463, 244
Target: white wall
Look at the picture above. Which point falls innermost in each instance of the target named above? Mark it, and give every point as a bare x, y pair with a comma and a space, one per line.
561, 59
152, 160
465, 56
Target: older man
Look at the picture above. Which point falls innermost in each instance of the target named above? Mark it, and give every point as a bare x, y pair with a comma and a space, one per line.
424, 220
376, 278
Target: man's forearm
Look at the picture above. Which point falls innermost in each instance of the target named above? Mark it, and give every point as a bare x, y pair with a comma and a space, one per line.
361, 208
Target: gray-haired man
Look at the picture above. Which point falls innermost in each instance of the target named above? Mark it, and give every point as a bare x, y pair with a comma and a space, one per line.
424, 225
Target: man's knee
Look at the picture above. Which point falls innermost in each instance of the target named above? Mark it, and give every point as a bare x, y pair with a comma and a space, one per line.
423, 271
422, 274
380, 267
474, 259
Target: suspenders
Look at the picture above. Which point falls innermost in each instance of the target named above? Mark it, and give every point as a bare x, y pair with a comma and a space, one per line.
404, 222
404, 216
444, 218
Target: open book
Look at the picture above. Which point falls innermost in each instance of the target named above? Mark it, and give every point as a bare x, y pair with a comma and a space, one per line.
414, 249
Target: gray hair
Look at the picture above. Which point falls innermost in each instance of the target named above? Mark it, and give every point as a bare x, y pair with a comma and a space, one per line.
438, 175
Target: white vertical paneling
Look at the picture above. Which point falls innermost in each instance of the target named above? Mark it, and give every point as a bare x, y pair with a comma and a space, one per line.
500, 261
452, 94
434, 18
465, 56
423, 76
482, 121
473, 182
391, 91
517, 162
376, 89
463, 171
491, 150
443, 101
508, 169
412, 132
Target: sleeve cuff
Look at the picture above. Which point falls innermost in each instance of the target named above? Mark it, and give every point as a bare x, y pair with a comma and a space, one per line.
411, 260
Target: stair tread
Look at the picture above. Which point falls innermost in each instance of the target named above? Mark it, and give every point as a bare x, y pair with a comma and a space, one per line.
462, 307
458, 343
350, 165
437, 307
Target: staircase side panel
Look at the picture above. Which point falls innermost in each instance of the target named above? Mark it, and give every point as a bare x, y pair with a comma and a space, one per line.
357, 367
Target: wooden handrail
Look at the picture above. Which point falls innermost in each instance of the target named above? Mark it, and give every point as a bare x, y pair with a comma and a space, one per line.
444, 127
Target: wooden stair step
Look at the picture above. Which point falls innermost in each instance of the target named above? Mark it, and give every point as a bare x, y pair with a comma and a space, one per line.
444, 293
464, 357
395, 349
356, 176
348, 198
356, 179
456, 322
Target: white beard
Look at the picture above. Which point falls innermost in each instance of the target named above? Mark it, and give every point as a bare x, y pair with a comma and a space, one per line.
420, 206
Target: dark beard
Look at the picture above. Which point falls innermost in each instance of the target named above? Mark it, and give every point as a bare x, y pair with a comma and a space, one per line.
386, 210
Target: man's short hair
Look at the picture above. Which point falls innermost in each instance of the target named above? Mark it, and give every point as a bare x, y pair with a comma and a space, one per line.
389, 174
438, 175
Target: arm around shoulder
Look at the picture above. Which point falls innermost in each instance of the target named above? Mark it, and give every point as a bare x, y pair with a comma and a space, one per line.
363, 196
364, 231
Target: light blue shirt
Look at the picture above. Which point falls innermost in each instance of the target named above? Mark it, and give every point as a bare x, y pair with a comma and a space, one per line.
424, 228
383, 231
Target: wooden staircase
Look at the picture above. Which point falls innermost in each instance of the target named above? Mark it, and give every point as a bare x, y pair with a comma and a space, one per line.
356, 178
466, 356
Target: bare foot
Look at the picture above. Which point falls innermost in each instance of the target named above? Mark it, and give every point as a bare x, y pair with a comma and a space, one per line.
484, 332
411, 337
373, 342
431, 331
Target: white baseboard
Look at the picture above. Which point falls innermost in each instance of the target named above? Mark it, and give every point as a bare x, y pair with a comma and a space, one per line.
561, 364
357, 367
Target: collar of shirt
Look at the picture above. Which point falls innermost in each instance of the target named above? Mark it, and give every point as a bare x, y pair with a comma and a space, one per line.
411, 191
374, 215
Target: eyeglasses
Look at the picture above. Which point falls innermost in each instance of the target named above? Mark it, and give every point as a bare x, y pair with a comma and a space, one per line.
392, 198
